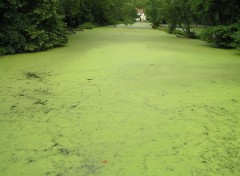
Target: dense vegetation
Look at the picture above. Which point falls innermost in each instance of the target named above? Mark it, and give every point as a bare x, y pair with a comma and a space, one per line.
221, 19
223, 36
100, 12
28, 26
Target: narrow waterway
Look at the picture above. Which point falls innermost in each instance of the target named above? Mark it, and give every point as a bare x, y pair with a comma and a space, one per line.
121, 102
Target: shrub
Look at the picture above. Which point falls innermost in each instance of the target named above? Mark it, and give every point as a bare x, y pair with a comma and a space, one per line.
87, 25
221, 36
28, 26
128, 22
3, 51
236, 37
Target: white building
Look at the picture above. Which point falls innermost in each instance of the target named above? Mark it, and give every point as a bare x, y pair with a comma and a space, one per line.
141, 14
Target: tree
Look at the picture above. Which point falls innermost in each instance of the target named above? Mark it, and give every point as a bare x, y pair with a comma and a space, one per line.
30, 26
141, 4
179, 13
175, 12
71, 11
216, 12
100, 12
156, 12
117, 11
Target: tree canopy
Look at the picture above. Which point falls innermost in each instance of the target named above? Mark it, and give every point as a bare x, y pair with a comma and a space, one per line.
28, 26
184, 13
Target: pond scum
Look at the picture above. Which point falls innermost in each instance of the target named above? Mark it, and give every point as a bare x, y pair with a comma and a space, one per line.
120, 101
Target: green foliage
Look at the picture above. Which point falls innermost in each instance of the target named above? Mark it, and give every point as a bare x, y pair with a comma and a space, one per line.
222, 36
140, 4
236, 37
119, 11
184, 13
156, 12
179, 14
87, 25
71, 10
212, 12
30, 26
175, 13
101, 12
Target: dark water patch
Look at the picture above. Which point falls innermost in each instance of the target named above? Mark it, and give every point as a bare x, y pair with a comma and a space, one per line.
60, 174
32, 75
40, 102
90, 169
74, 106
21, 94
64, 151
30, 160
42, 91
13, 107
234, 101
49, 110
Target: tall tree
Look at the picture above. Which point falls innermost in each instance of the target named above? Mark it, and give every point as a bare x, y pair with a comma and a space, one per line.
71, 11
155, 10
101, 12
216, 12
179, 13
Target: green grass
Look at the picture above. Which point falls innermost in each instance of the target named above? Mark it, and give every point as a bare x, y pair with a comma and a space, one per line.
126, 102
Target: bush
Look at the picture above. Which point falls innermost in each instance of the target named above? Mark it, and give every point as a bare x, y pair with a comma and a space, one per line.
3, 51
128, 22
87, 25
30, 26
236, 37
221, 36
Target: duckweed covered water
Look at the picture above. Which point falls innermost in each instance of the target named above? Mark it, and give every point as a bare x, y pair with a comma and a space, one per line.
121, 102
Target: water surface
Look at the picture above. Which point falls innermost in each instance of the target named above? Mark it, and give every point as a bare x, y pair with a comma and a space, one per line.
121, 102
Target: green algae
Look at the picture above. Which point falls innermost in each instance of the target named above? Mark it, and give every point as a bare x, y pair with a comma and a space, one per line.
121, 102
